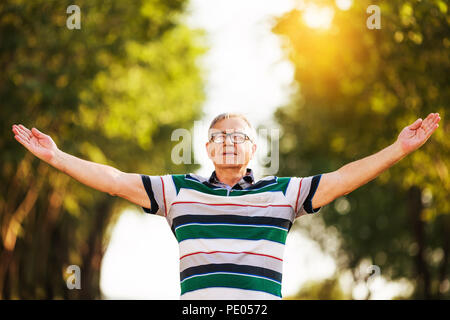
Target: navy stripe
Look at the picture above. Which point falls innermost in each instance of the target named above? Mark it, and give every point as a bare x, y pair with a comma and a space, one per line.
206, 182
232, 268
307, 205
154, 207
257, 185
230, 219
261, 184
188, 176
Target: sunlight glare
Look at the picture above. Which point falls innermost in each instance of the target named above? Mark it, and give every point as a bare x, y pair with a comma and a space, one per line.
344, 4
318, 17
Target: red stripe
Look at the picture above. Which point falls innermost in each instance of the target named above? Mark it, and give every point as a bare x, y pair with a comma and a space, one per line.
298, 195
233, 204
245, 252
164, 197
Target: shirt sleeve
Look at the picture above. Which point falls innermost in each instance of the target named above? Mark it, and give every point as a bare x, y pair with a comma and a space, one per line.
155, 190
301, 194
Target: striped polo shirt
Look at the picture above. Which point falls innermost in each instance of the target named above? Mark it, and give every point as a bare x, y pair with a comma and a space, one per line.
231, 239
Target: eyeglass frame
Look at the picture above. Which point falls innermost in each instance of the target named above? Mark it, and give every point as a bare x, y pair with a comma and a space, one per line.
229, 134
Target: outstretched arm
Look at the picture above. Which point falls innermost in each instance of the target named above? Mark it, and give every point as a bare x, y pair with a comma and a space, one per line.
98, 176
355, 174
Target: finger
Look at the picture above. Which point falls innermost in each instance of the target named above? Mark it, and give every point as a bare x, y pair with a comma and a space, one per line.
416, 124
25, 129
432, 127
16, 130
23, 136
426, 126
37, 133
24, 132
428, 120
21, 141
432, 130
436, 118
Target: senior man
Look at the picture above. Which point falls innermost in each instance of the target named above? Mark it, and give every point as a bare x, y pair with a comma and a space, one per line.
230, 228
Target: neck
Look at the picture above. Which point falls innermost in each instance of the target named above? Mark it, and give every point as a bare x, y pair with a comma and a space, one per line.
231, 176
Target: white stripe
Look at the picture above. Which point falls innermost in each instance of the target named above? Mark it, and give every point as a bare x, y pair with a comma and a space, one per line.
292, 191
267, 247
262, 198
271, 204
201, 209
215, 293
170, 194
240, 258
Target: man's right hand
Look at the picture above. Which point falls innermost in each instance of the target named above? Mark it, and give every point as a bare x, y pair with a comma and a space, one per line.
95, 175
39, 144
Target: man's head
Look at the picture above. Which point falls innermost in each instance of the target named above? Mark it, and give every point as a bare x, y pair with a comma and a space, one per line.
231, 141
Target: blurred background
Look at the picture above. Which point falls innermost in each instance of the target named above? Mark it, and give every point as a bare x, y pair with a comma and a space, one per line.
114, 90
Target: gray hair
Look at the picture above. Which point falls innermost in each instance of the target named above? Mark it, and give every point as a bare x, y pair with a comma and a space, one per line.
229, 115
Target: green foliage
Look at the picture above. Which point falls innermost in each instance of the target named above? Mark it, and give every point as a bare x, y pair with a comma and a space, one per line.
358, 89
111, 92
328, 289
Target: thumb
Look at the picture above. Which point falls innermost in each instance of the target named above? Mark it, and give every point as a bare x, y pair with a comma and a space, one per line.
37, 133
416, 124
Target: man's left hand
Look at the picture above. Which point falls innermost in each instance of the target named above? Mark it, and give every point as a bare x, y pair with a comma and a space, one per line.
415, 135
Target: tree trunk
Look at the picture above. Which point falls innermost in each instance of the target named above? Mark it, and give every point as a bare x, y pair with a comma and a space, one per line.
443, 270
92, 258
415, 208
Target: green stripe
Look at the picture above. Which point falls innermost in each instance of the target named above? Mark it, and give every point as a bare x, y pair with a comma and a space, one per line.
231, 281
208, 231
180, 182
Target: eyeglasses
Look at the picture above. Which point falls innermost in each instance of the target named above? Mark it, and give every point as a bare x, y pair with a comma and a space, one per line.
236, 137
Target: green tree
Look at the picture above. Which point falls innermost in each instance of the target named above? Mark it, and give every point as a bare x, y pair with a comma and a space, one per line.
111, 92
357, 89
328, 289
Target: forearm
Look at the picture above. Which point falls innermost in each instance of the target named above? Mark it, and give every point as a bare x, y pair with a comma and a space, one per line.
98, 176
360, 172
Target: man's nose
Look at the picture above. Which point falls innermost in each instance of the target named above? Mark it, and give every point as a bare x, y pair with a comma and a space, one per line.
228, 140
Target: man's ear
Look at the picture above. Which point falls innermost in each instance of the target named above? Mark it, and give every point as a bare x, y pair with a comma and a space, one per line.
209, 150
254, 147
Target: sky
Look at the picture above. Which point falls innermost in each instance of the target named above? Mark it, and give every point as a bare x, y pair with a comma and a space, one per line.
247, 72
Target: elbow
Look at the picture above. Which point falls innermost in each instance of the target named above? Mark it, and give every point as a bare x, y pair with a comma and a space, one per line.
112, 191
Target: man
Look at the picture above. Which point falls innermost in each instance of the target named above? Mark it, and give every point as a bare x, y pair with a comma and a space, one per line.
231, 229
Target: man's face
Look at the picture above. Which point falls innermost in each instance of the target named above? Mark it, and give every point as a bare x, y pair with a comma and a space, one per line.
228, 154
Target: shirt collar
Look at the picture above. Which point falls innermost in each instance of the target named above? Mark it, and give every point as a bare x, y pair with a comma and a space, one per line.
246, 181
